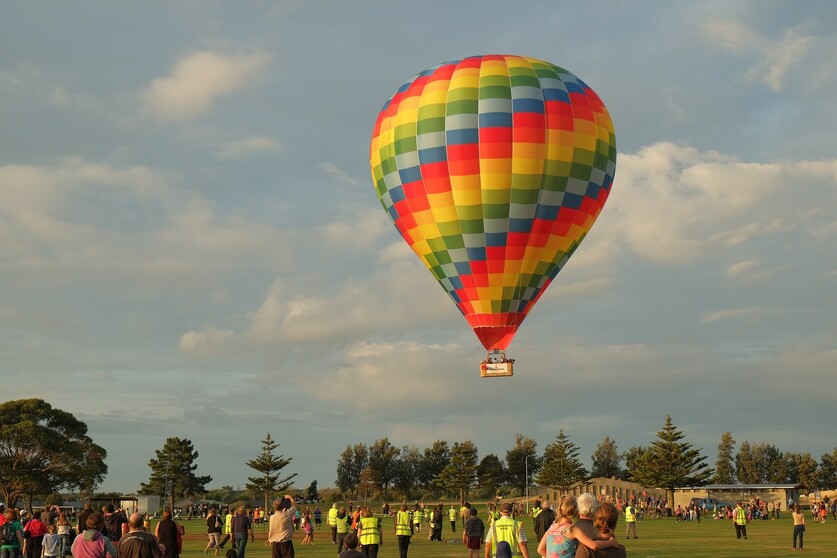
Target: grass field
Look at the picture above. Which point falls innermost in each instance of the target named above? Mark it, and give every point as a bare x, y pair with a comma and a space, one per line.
658, 538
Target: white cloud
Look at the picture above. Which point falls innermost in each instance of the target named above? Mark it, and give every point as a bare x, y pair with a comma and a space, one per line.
243, 148
673, 204
752, 313
774, 58
198, 80
339, 174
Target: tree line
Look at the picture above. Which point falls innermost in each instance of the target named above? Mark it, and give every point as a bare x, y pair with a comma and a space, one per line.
669, 462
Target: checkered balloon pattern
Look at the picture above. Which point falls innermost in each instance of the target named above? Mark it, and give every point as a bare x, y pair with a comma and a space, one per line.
493, 169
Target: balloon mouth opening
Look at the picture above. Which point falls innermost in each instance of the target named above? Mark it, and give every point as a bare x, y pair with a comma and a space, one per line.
495, 338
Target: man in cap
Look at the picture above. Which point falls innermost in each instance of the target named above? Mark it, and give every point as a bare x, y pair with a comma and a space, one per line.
506, 538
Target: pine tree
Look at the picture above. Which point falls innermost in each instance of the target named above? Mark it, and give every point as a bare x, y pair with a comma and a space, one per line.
561, 468
724, 463
670, 463
269, 466
746, 467
522, 462
173, 471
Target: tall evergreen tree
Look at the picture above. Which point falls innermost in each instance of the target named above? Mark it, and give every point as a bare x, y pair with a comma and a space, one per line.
459, 475
269, 466
725, 463
671, 463
173, 471
802, 468
522, 460
746, 467
561, 468
607, 460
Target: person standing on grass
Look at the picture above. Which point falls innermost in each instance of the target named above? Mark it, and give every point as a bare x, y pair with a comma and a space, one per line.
138, 543
403, 530
630, 520
343, 526
739, 518
543, 520
473, 530
242, 526
506, 536
798, 526
369, 534
213, 531
280, 534
168, 532
331, 520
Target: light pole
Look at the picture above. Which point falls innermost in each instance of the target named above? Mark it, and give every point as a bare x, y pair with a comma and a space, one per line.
526, 468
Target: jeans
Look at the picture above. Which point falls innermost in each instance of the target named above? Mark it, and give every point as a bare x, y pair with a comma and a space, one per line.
65, 545
798, 531
240, 543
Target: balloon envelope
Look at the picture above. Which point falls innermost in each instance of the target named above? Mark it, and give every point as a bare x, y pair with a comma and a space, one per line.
493, 169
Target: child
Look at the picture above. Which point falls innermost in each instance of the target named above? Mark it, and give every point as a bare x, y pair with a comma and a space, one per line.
308, 529
51, 544
561, 540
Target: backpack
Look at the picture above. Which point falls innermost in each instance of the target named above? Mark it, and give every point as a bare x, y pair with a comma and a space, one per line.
7, 534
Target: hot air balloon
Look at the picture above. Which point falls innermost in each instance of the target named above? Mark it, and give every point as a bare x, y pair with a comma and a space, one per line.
493, 169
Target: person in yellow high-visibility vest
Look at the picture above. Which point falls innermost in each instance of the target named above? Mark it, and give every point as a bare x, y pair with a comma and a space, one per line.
331, 519
452, 517
739, 517
403, 530
506, 532
369, 533
343, 527
630, 521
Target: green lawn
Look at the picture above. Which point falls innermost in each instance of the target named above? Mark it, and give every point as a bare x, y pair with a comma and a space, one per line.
658, 538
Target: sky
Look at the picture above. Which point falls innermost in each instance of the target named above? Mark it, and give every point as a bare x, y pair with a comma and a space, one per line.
192, 245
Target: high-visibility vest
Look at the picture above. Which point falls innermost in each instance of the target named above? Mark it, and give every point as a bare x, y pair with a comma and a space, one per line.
740, 516
418, 515
369, 533
402, 524
452, 514
535, 512
342, 524
332, 517
505, 529
629, 514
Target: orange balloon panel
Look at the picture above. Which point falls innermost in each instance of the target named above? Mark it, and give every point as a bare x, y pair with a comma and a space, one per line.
493, 169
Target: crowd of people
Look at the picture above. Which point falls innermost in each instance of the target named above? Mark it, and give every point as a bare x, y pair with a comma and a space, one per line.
582, 526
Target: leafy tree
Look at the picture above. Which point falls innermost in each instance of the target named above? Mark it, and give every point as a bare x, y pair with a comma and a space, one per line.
803, 469
770, 463
746, 466
828, 470
635, 461
561, 468
522, 457
607, 460
173, 471
670, 463
724, 463
435, 459
269, 466
352, 462
406, 471
382, 458
313, 494
490, 474
461, 473
44, 449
